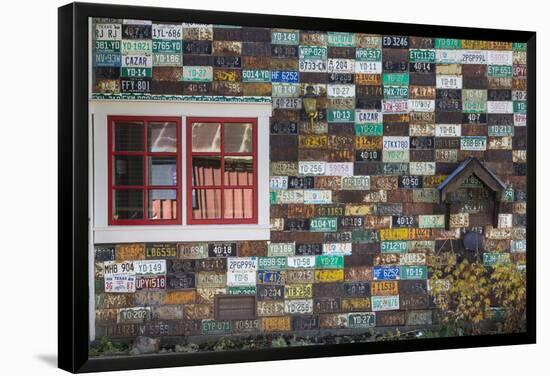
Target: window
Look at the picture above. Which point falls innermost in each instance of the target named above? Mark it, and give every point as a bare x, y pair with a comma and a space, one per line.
222, 171
144, 170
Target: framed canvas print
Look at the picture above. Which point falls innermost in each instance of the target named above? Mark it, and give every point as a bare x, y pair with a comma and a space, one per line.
245, 187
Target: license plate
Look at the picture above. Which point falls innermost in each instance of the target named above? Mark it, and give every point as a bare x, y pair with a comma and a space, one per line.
167, 31
393, 247
385, 273
211, 279
287, 103
422, 168
317, 197
285, 76
167, 59
414, 272
272, 263
270, 292
197, 74
167, 46
298, 291
384, 288
446, 155
473, 143
500, 107
222, 249
448, 56
281, 249
142, 267
323, 224
137, 47
395, 79
276, 324
421, 105
136, 72
329, 275
278, 182
412, 259
329, 262
474, 57
120, 283
285, 90
422, 55
299, 306
337, 115
209, 327
361, 320
256, 75
311, 168
301, 262
368, 54
395, 143
289, 197
299, 276
431, 221
270, 308
445, 43
241, 278
133, 315
339, 169
448, 82
242, 263
313, 52
385, 303
395, 106
271, 277
396, 92
340, 91
356, 182
368, 67
312, 65
337, 249
339, 39
192, 250
369, 130
108, 32
285, 37
106, 59
448, 130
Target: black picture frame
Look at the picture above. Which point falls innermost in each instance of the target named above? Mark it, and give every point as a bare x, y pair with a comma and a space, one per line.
73, 295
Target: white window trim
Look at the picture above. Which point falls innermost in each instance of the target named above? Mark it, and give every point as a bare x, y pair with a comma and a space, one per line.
105, 233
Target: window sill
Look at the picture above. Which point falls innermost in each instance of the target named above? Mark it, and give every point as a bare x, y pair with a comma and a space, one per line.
176, 233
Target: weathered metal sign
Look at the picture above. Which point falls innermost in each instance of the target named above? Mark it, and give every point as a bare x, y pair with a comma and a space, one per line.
384, 303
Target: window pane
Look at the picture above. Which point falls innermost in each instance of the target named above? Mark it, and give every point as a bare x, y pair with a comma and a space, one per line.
237, 137
162, 204
206, 203
162, 137
163, 171
238, 171
238, 203
129, 136
206, 137
206, 171
128, 204
128, 169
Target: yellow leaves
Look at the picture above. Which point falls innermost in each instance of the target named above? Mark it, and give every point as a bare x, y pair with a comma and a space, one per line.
472, 289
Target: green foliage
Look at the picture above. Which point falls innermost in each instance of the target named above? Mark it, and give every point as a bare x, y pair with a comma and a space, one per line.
107, 347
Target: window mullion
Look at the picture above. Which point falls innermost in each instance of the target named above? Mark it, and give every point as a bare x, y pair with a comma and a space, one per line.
222, 172
146, 173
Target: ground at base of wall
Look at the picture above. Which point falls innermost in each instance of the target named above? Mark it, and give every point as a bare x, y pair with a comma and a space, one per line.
106, 347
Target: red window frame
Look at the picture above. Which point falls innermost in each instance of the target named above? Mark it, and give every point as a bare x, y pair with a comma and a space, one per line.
144, 153
222, 154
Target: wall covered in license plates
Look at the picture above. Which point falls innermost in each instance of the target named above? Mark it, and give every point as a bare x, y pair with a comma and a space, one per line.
355, 209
